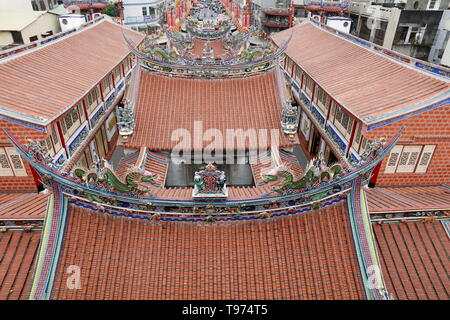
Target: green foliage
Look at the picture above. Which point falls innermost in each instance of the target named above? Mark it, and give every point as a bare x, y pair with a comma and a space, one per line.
111, 10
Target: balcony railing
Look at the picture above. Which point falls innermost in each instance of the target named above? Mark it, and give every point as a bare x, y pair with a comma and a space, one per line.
277, 11
340, 3
142, 19
275, 23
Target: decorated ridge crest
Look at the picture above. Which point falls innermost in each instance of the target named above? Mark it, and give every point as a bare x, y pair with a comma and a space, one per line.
210, 183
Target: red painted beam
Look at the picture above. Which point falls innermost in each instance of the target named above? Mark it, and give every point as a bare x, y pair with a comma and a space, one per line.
352, 136
61, 137
373, 179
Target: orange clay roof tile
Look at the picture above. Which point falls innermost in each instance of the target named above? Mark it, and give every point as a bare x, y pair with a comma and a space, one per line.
414, 259
17, 254
44, 82
166, 104
369, 85
408, 198
23, 205
307, 256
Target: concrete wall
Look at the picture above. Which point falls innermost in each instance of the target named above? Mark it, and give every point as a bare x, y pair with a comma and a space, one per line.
16, 5
371, 16
423, 4
132, 11
46, 22
445, 60
5, 38
431, 19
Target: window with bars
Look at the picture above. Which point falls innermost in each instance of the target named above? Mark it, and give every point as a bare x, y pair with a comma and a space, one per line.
343, 122
55, 137
365, 143
92, 99
434, 4
126, 64
288, 66
409, 159
308, 84
47, 144
298, 75
107, 85
357, 139
11, 163
71, 121
323, 99
117, 73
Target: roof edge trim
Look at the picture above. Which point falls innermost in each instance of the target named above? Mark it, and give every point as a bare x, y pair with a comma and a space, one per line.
418, 110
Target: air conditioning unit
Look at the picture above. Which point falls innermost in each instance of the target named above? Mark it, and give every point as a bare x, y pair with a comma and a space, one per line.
96, 15
340, 23
71, 21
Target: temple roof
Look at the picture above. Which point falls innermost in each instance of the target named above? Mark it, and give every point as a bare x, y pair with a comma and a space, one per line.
369, 85
17, 254
305, 256
414, 259
41, 84
216, 46
23, 205
158, 164
408, 198
165, 104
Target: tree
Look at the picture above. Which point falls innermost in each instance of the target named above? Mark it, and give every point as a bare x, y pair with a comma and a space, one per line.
111, 10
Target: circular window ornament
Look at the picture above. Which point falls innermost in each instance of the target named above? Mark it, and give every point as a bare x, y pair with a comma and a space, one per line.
64, 21
416, 4
346, 24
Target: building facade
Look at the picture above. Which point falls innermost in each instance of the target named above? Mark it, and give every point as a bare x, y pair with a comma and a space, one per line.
408, 27
335, 131
142, 15
24, 27
273, 15
82, 131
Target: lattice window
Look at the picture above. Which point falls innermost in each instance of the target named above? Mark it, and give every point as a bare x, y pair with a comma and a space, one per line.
71, 121
425, 158
404, 158
16, 162
117, 73
106, 85
92, 99
394, 158
408, 159
5, 167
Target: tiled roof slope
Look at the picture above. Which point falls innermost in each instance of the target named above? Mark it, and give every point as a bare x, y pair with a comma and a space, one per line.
46, 81
308, 256
165, 104
17, 255
408, 198
414, 259
23, 205
370, 86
